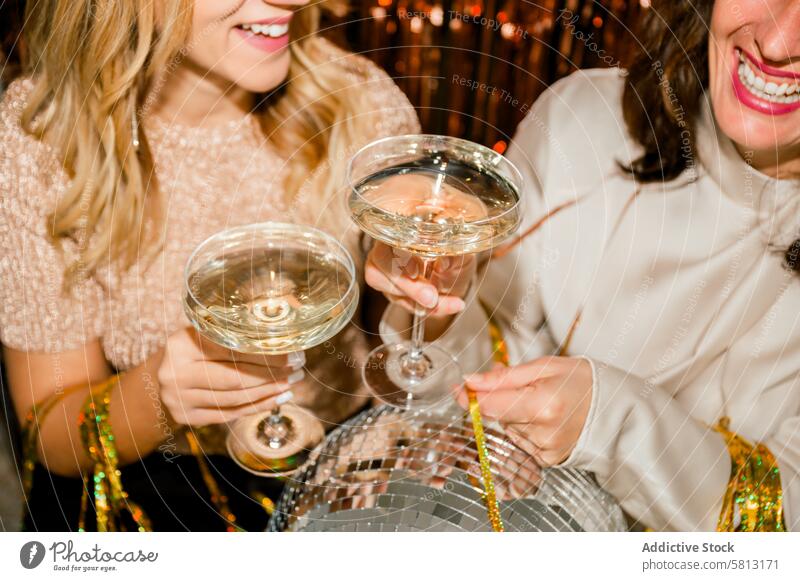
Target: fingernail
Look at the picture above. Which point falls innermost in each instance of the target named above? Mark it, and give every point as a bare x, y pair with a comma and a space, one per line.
429, 298
473, 378
296, 360
284, 397
460, 305
295, 377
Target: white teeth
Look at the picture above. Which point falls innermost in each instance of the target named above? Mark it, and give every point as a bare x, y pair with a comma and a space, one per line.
767, 90
277, 30
271, 30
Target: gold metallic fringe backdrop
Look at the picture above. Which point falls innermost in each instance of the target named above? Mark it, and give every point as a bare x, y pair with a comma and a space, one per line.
473, 67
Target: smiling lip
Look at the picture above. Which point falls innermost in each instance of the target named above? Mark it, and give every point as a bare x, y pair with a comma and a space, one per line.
765, 68
281, 20
266, 43
747, 98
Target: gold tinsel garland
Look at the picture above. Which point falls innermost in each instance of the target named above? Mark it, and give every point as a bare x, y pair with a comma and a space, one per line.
111, 502
754, 490
489, 496
500, 355
110, 499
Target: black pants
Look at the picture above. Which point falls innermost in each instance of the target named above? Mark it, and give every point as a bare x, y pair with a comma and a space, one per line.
172, 493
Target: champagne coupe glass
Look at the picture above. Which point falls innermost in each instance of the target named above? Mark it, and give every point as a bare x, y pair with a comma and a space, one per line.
271, 289
432, 197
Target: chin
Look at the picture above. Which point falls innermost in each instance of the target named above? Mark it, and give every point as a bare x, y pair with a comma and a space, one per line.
263, 77
754, 131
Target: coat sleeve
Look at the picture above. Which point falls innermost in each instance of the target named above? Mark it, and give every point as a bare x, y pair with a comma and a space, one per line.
668, 470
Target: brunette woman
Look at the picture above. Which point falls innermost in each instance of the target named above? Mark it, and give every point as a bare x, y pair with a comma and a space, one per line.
651, 309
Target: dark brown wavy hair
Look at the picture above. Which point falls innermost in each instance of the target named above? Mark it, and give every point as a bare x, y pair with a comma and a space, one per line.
663, 92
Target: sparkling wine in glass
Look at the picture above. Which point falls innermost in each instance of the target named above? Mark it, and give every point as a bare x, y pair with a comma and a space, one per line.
271, 289
432, 197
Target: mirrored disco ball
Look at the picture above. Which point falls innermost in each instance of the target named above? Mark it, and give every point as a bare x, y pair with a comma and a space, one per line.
392, 470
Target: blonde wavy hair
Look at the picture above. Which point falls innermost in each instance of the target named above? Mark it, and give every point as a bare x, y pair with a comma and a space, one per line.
94, 62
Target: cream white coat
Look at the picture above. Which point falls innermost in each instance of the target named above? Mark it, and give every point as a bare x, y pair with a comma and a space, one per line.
688, 313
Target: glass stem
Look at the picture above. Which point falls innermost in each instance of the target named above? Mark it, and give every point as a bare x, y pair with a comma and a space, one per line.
277, 430
418, 324
278, 427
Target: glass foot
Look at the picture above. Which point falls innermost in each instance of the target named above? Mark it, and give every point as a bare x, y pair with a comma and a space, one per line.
273, 449
397, 378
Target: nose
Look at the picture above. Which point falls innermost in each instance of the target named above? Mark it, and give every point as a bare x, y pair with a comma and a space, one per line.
778, 34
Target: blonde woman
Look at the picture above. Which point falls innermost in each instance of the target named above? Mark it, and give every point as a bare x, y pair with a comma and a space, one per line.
143, 128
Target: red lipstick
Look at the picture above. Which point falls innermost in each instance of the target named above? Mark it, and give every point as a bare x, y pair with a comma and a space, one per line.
751, 99
765, 68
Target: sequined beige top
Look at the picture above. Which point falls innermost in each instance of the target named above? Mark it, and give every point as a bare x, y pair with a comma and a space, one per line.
212, 179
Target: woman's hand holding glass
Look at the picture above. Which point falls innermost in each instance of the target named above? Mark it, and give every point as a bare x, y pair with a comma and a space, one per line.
543, 404
399, 276
204, 383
